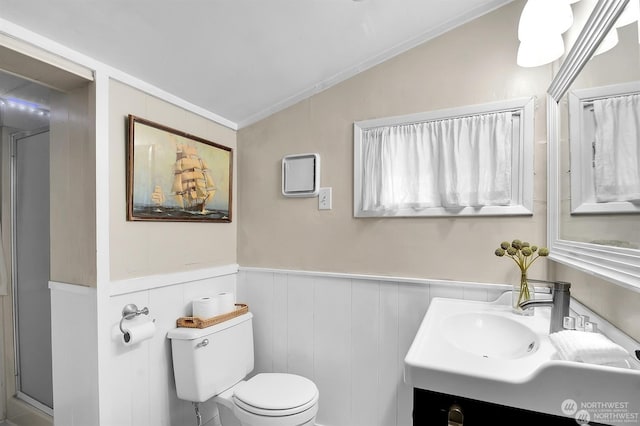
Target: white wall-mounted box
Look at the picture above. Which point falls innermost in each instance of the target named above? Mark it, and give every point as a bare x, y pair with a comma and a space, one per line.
301, 175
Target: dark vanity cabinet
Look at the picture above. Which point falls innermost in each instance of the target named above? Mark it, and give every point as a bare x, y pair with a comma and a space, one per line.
438, 409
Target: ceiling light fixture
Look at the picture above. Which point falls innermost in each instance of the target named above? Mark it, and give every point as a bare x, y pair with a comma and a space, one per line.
543, 22
542, 16
540, 29
24, 106
541, 51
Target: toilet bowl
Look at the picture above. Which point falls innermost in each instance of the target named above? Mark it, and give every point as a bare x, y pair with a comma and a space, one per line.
272, 399
214, 362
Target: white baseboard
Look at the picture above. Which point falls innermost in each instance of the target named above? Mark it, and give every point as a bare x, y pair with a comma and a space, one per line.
132, 285
386, 278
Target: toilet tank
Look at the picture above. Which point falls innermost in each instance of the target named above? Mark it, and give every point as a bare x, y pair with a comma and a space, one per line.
208, 361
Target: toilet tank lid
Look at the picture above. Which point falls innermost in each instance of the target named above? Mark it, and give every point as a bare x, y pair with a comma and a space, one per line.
185, 333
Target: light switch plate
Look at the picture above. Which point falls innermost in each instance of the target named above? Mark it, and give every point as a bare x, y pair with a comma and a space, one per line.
324, 199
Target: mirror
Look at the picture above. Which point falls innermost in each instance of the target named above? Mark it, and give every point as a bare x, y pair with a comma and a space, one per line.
599, 237
602, 213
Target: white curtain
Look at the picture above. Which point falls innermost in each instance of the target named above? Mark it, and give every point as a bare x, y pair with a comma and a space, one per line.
617, 148
450, 163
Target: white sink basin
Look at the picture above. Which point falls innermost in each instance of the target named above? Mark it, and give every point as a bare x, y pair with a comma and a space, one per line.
483, 351
489, 335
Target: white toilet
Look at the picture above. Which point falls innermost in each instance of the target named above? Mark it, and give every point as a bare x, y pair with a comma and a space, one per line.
213, 361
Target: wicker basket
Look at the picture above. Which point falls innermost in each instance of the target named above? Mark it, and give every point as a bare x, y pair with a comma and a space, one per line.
196, 322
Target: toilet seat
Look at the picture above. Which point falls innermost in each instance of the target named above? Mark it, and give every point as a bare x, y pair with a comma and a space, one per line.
276, 395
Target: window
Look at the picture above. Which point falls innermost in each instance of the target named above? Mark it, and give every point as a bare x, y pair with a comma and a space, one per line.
604, 136
475, 160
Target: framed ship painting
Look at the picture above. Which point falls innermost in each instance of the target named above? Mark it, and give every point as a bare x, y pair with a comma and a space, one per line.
175, 176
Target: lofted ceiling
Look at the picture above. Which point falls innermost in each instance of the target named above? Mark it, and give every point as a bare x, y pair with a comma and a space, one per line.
242, 59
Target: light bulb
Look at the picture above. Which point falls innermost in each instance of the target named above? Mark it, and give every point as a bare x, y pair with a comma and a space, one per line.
542, 51
543, 16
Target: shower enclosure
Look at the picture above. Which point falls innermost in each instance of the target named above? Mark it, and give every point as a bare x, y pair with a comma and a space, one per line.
32, 307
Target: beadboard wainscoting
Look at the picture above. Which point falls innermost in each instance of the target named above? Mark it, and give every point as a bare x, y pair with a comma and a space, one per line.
74, 352
141, 386
347, 333
125, 385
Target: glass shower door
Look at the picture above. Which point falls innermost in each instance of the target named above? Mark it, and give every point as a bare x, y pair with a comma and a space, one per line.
32, 302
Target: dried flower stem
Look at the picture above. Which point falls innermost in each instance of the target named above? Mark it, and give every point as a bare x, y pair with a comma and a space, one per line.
524, 256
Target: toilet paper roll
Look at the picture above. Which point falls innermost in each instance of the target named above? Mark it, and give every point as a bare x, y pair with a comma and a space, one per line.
227, 302
138, 332
206, 307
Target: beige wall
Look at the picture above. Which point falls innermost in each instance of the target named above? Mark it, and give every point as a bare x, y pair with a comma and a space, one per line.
475, 63
73, 186
617, 304
150, 248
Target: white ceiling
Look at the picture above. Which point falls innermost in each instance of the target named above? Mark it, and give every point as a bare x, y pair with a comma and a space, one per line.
242, 59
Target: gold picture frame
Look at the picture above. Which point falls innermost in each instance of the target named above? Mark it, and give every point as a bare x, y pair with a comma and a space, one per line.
175, 176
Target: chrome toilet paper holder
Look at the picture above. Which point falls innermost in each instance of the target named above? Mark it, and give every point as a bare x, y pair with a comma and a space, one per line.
131, 311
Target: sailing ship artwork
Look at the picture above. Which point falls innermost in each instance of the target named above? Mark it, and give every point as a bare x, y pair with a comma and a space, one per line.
172, 175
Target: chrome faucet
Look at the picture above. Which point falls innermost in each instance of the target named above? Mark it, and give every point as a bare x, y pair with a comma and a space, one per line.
559, 303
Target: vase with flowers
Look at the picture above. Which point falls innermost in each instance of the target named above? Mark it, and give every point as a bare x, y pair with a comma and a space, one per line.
524, 255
